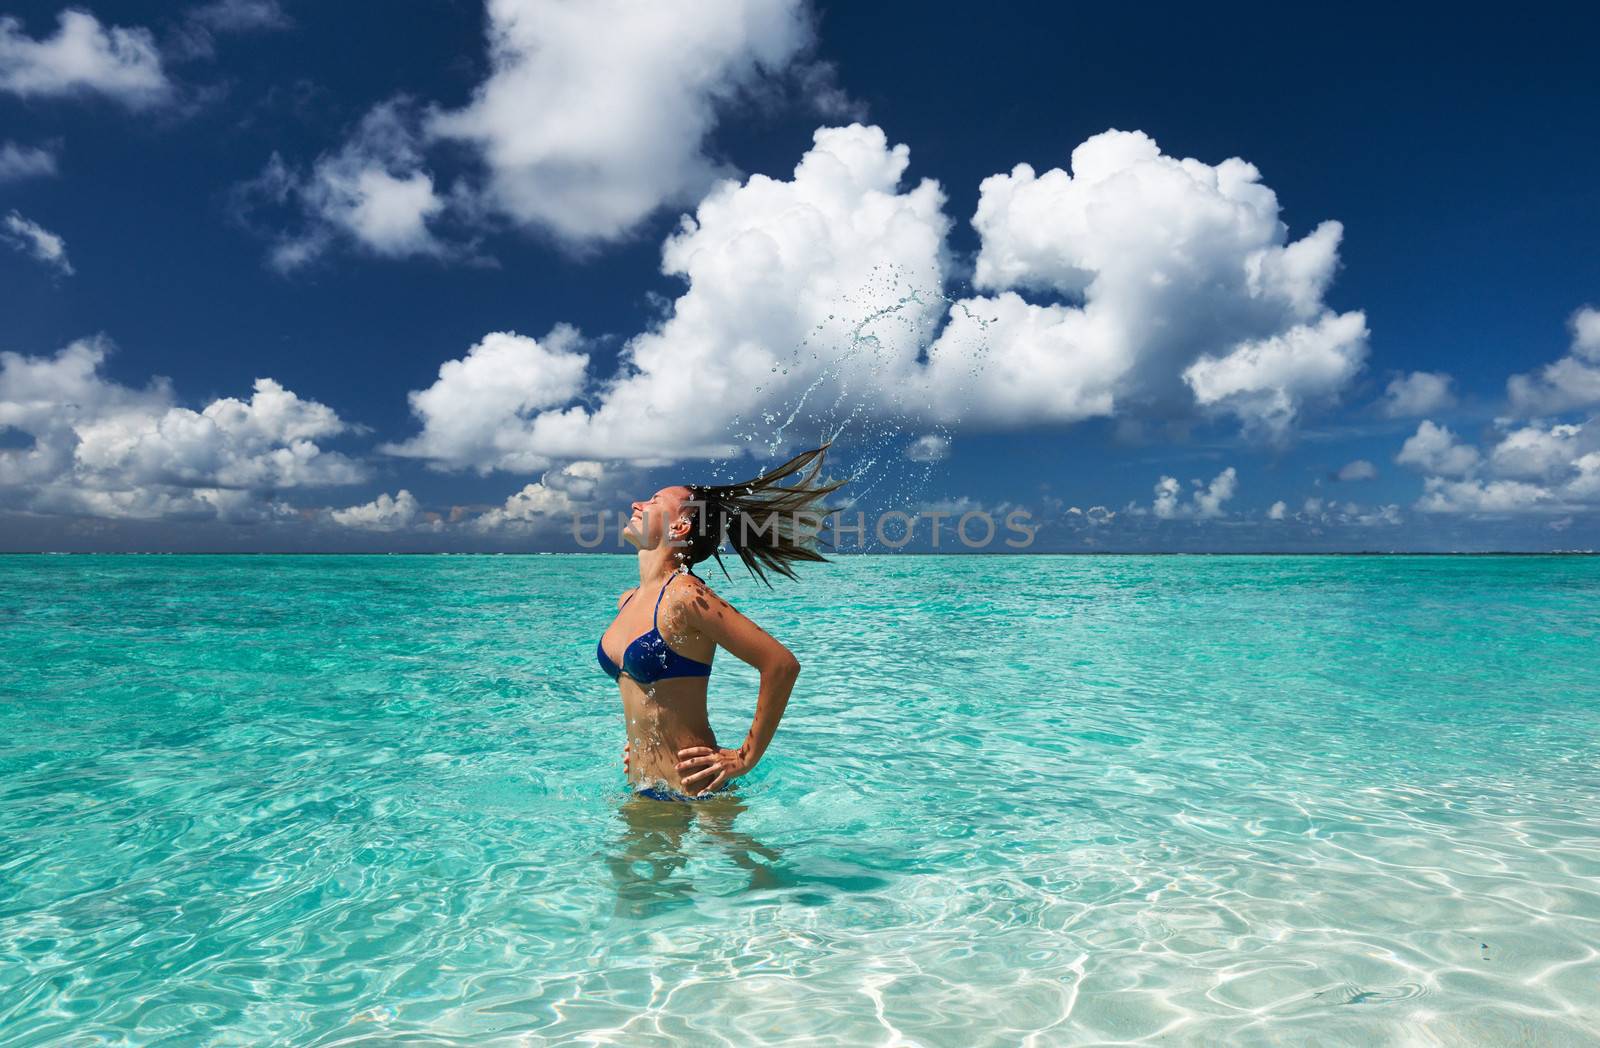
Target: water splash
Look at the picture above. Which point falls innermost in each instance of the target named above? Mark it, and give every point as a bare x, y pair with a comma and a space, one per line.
859, 398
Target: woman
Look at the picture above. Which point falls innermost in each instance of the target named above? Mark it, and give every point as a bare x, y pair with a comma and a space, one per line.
659, 647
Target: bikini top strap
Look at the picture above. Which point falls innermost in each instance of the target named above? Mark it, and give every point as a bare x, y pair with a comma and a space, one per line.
656, 618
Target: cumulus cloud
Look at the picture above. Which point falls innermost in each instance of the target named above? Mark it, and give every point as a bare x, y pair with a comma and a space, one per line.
30, 237
1351, 514
1537, 467
372, 193
1093, 517
1569, 383
1434, 449
83, 57
796, 289
104, 449
1360, 469
546, 503
18, 162
596, 114
1173, 260
1166, 502
265, 442
1475, 495
544, 506
480, 414
1208, 501
1388, 514
1265, 382
1205, 503
824, 294
1537, 452
930, 447
385, 513
1419, 393
1320, 513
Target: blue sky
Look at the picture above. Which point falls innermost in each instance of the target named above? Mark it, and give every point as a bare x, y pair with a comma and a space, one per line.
1324, 288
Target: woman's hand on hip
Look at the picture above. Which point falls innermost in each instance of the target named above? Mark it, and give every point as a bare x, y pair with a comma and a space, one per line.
718, 766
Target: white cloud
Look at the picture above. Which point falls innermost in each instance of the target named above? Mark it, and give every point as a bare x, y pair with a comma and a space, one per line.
1433, 449
1320, 513
1530, 468
384, 513
18, 162
930, 447
372, 192
1389, 514
480, 414
1583, 483
1444, 495
1535, 452
1360, 469
1571, 382
546, 503
1205, 503
1419, 393
109, 450
30, 237
1094, 516
593, 117
83, 57
823, 294
595, 114
1003, 360
1266, 382
796, 289
265, 442
1172, 258
1166, 502
1208, 502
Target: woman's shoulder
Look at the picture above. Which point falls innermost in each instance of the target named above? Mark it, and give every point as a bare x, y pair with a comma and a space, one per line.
694, 596
622, 598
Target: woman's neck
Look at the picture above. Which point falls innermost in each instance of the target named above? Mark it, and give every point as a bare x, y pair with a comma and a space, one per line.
656, 565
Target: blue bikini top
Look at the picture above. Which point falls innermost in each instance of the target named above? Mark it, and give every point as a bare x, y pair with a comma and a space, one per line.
649, 659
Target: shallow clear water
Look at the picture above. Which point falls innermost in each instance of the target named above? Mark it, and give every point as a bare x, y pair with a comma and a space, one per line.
378, 800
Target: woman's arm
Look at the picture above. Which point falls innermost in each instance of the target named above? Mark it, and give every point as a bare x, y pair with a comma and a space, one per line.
719, 620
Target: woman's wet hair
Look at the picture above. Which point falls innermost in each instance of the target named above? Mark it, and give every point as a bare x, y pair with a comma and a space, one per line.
769, 524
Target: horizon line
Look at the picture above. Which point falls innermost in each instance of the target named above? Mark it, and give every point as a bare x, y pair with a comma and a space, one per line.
832, 556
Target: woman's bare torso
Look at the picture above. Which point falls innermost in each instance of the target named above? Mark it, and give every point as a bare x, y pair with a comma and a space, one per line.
669, 714
663, 718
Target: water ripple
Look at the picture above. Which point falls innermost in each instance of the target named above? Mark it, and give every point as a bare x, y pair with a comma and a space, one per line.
1017, 800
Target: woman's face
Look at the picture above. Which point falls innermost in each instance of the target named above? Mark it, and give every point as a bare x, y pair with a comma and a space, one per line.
654, 517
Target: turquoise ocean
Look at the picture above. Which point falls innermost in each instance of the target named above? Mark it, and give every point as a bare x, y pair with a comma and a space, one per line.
1016, 800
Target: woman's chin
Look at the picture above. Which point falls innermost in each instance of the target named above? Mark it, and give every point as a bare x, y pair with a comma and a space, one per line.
630, 538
